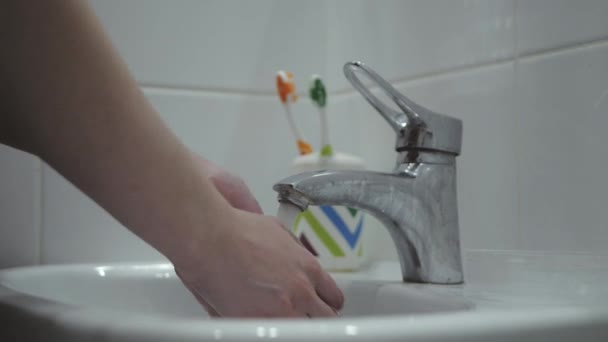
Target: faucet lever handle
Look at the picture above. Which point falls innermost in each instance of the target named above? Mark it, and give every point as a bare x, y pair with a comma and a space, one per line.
397, 120
416, 127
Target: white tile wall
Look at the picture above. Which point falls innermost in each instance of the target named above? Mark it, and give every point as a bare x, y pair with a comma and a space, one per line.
217, 44
550, 24
563, 109
76, 229
19, 208
533, 105
230, 45
403, 39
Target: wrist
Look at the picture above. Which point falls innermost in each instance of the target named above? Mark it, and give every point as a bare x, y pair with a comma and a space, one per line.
195, 241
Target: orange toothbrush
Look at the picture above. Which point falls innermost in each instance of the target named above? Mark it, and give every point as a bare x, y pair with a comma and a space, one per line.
287, 94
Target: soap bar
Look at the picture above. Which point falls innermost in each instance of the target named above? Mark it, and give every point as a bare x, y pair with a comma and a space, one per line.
334, 234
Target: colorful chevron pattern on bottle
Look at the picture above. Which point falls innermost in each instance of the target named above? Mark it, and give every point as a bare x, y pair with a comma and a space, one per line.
333, 234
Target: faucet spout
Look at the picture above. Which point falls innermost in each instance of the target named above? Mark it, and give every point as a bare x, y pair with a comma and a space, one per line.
418, 207
417, 202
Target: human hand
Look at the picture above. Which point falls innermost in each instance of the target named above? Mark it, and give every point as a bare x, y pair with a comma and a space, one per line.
232, 187
307, 271
235, 191
251, 267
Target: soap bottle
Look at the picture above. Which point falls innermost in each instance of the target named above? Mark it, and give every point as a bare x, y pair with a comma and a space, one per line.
334, 234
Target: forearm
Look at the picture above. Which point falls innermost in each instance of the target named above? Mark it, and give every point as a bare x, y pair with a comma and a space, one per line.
74, 104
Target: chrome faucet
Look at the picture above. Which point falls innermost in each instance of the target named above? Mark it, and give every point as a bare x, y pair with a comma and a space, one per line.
417, 202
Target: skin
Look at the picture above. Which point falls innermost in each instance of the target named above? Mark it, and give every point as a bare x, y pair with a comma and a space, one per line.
69, 99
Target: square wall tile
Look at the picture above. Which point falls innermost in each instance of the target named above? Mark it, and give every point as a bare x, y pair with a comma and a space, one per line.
239, 45
487, 167
77, 230
562, 102
217, 44
548, 24
401, 39
19, 208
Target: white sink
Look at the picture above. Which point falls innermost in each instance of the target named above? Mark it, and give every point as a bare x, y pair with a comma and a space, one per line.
155, 289
146, 302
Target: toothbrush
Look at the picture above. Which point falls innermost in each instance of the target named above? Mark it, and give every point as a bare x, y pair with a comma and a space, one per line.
318, 95
287, 93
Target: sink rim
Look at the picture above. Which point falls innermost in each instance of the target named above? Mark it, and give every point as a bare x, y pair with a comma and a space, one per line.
71, 318
441, 298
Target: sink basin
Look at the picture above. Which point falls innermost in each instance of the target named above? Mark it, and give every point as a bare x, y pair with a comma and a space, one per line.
146, 302
155, 289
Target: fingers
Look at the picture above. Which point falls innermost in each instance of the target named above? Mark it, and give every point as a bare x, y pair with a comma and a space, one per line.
236, 192
305, 301
210, 310
320, 309
232, 188
325, 286
277, 278
329, 292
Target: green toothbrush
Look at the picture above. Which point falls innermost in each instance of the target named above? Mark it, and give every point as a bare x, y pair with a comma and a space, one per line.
318, 95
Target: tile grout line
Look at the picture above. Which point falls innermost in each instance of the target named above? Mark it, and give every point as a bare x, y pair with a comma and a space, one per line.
432, 74
336, 93
564, 48
218, 91
193, 90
